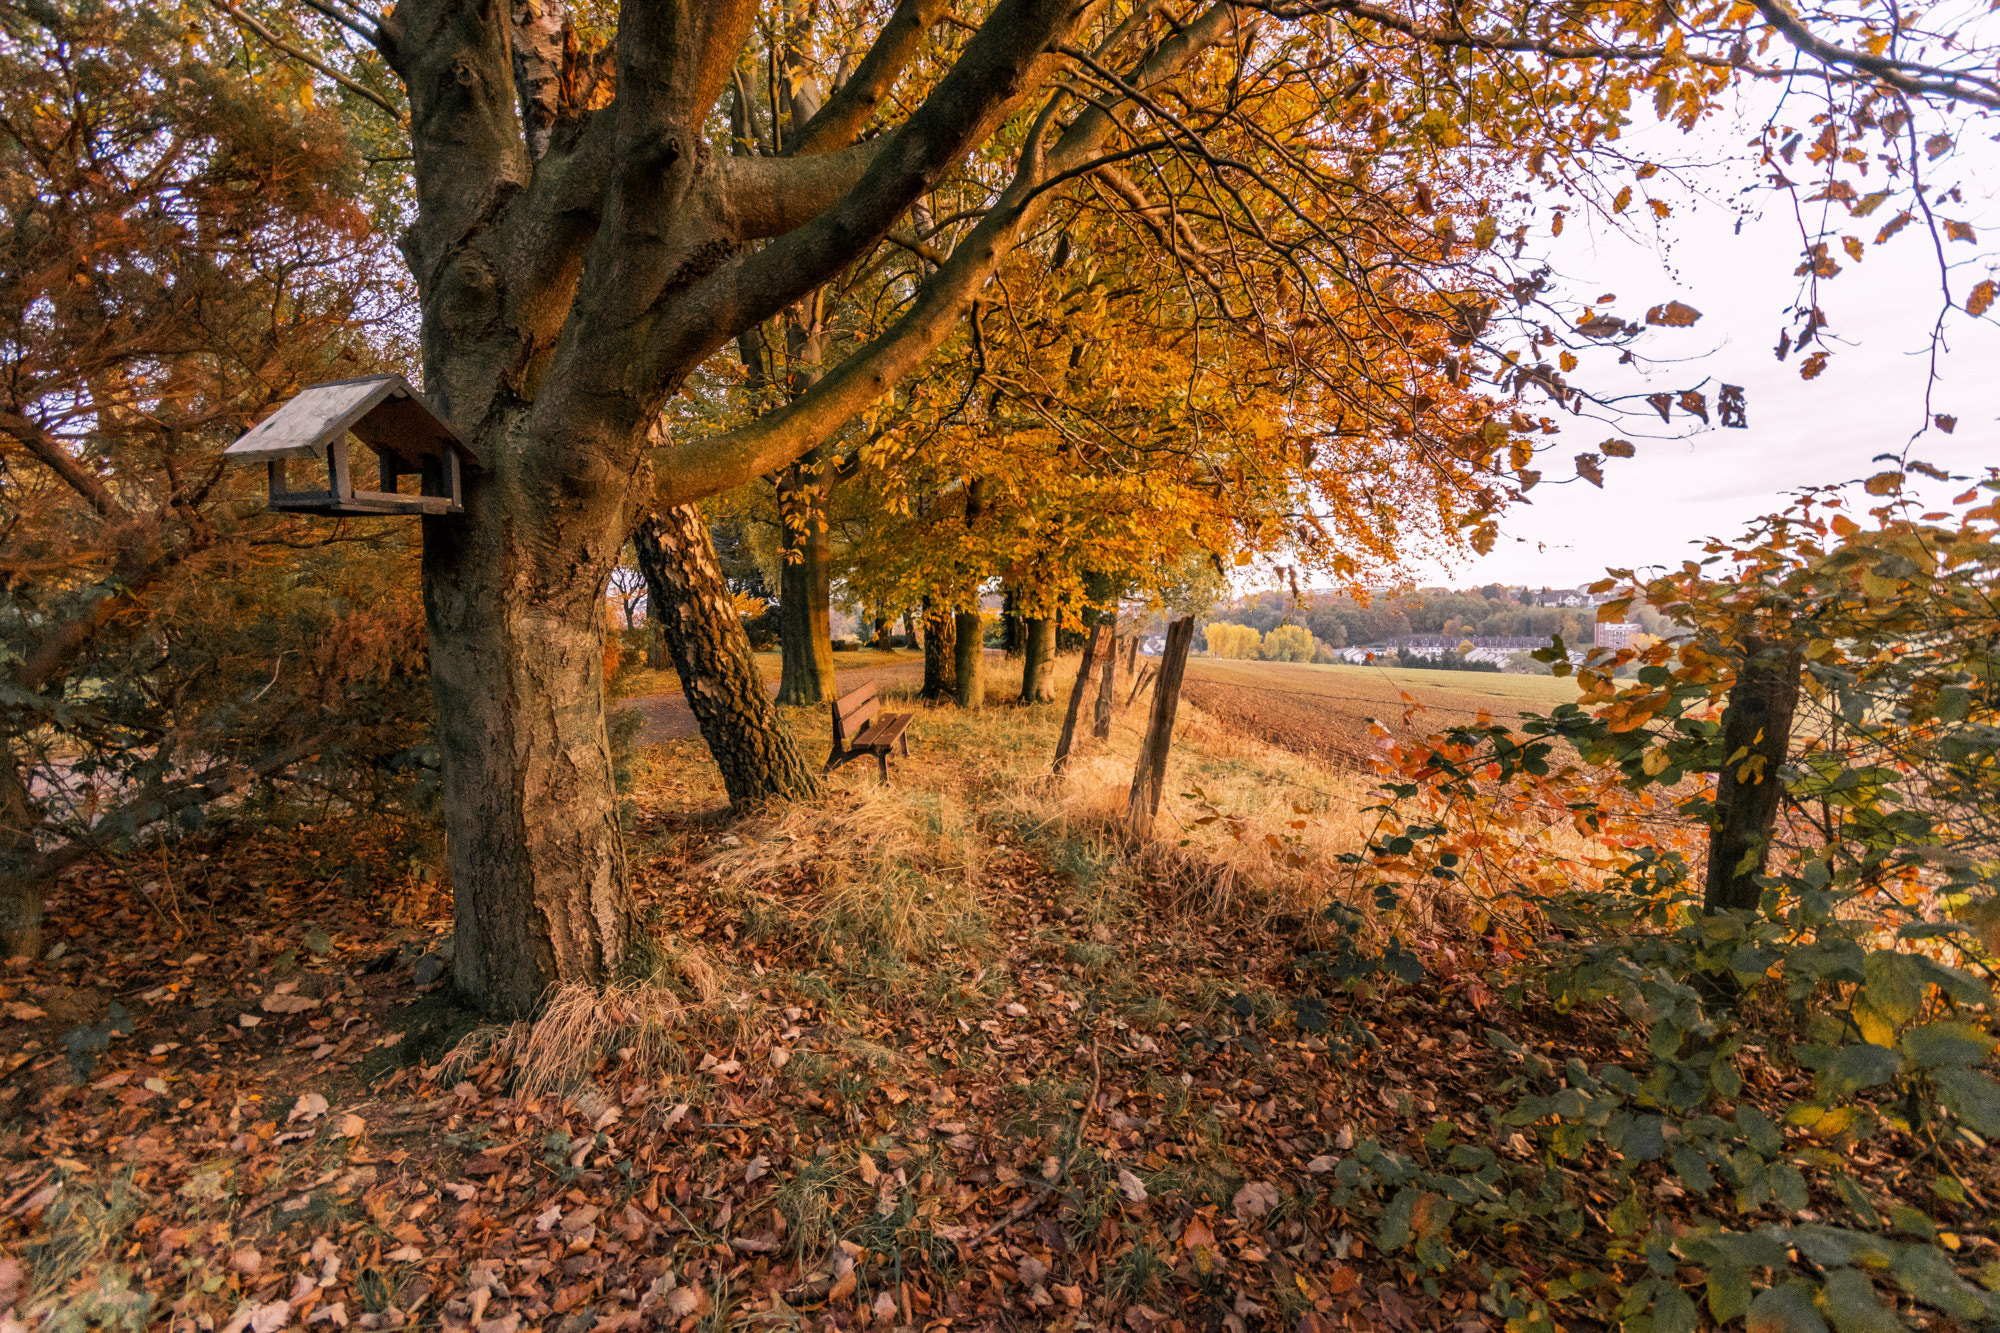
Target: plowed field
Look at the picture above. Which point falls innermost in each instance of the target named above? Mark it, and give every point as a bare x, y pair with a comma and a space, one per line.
1323, 711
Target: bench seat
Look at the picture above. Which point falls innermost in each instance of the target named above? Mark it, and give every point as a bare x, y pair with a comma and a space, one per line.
861, 728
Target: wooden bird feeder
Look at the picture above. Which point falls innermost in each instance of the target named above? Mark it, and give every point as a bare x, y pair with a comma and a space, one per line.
383, 413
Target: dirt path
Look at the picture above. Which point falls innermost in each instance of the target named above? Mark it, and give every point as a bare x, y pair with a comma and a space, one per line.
669, 718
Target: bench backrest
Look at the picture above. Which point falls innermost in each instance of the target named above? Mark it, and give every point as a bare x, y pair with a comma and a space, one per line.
853, 711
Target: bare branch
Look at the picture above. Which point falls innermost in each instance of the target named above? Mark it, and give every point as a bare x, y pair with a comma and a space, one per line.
855, 101
313, 62
61, 462
718, 462
999, 66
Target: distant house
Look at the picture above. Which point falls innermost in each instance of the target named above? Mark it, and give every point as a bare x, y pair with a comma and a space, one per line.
1618, 634
1571, 597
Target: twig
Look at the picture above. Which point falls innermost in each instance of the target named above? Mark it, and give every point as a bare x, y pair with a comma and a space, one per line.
295, 53
1030, 1204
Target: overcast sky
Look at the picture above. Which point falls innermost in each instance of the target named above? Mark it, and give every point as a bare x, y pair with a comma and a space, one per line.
1869, 401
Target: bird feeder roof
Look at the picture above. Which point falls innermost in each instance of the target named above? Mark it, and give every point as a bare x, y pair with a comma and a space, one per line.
383, 411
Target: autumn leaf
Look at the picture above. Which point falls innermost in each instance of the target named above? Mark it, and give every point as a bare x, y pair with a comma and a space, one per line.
1981, 298
1618, 448
1587, 467
1894, 225
1945, 422
1673, 315
1811, 367
1959, 231
1623, 201
1852, 244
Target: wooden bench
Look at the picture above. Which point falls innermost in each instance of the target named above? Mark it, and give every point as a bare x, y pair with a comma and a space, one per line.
860, 728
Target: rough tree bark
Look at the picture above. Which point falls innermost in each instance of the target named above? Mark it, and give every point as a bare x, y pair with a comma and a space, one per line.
1756, 735
1038, 661
1149, 778
940, 652
1101, 723
576, 259
23, 883
517, 670
968, 665
805, 593
690, 602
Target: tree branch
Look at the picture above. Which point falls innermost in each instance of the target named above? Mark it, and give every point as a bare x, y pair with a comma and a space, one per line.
61, 462
768, 196
359, 90
1005, 60
718, 462
855, 101
374, 33
159, 800
1903, 75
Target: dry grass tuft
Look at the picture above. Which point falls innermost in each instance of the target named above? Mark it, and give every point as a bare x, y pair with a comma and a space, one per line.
891, 871
1243, 829
577, 1030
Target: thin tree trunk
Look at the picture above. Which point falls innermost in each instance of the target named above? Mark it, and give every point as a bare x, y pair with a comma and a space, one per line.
968, 659
514, 594
1149, 778
1757, 719
1076, 699
712, 654
1101, 727
1132, 656
909, 629
23, 880
805, 590
1038, 661
940, 655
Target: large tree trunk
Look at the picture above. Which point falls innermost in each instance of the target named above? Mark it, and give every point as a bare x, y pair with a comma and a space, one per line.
1757, 719
940, 652
968, 659
1038, 662
514, 591
805, 592
690, 602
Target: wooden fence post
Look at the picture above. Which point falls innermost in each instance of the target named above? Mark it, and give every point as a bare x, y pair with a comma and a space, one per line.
1101, 727
1076, 697
1757, 720
1150, 776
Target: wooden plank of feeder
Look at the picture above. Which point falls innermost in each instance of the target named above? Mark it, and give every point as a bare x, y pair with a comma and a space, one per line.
312, 420
382, 410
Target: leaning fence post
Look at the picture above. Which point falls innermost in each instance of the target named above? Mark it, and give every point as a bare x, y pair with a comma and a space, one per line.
1756, 735
1101, 727
1076, 698
1150, 776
